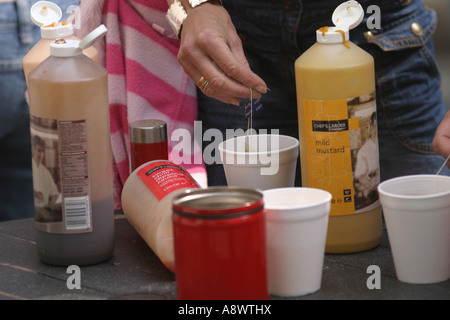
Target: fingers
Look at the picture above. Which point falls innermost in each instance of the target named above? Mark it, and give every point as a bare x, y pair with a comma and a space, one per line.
233, 64
220, 85
214, 51
441, 141
214, 79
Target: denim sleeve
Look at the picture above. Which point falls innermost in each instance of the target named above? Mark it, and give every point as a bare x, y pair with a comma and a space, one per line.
408, 80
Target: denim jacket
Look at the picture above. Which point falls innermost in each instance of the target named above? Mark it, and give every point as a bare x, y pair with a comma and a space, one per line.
409, 99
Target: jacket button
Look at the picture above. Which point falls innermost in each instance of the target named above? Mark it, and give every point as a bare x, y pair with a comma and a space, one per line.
416, 28
368, 35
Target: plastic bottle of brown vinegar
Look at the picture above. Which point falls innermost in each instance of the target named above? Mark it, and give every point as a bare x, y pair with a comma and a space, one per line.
335, 82
72, 161
47, 15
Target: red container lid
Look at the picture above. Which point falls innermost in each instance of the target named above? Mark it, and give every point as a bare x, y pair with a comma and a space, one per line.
218, 203
148, 131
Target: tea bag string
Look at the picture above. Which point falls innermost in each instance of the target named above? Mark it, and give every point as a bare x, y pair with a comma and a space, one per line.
249, 123
250, 119
443, 165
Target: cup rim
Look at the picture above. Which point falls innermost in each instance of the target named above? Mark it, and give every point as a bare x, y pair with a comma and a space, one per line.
254, 153
285, 212
383, 185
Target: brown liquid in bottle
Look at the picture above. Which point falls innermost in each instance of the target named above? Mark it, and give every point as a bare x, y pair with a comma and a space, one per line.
72, 91
41, 51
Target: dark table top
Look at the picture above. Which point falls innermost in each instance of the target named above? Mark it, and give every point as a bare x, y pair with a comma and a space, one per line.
134, 272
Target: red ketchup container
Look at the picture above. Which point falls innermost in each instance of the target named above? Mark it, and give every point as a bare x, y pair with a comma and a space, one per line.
148, 142
219, 240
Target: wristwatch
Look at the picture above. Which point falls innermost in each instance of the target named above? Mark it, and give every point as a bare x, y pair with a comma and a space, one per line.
177, 14
195, 3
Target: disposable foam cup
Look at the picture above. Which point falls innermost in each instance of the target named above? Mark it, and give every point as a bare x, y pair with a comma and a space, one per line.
416, 209
296, 230
269, 162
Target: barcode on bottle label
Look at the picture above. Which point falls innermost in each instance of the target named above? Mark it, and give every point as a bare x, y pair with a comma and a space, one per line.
77, 213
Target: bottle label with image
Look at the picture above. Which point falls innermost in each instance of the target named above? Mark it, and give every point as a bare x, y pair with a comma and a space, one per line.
342, 151
61, 175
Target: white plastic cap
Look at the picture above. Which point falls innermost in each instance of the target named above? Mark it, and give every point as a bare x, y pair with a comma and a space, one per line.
332, 35
59, 30
346, 16
93, 36
70, 48
65, 48
44, 13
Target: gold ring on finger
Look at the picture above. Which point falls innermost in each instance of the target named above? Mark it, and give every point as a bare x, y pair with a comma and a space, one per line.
202, 83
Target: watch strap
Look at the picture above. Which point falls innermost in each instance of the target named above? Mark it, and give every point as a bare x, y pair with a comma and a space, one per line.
177, 13
176, 16
195, 3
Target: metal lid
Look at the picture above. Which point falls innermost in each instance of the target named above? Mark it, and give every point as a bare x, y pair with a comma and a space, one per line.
218, 202
148, 131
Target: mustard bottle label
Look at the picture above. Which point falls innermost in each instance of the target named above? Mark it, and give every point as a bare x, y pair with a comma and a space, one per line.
61, 175
342, 151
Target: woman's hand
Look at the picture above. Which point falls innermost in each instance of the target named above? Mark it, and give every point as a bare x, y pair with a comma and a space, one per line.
210, 48
441, 141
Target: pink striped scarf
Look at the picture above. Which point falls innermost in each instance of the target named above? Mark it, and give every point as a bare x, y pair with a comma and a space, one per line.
145, 79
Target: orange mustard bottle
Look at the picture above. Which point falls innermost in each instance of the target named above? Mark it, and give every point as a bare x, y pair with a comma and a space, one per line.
336, 100
47, 15
72, 158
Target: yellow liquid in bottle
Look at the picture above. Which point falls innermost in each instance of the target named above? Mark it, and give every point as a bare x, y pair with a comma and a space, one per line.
337, 72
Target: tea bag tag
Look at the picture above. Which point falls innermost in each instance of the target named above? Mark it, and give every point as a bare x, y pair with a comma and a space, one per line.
251, 106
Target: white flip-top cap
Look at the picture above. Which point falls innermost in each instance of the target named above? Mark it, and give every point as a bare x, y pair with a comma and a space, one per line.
58, 30
65, 48
332, 35
346, 16
70, 48
93, 36
46, 15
